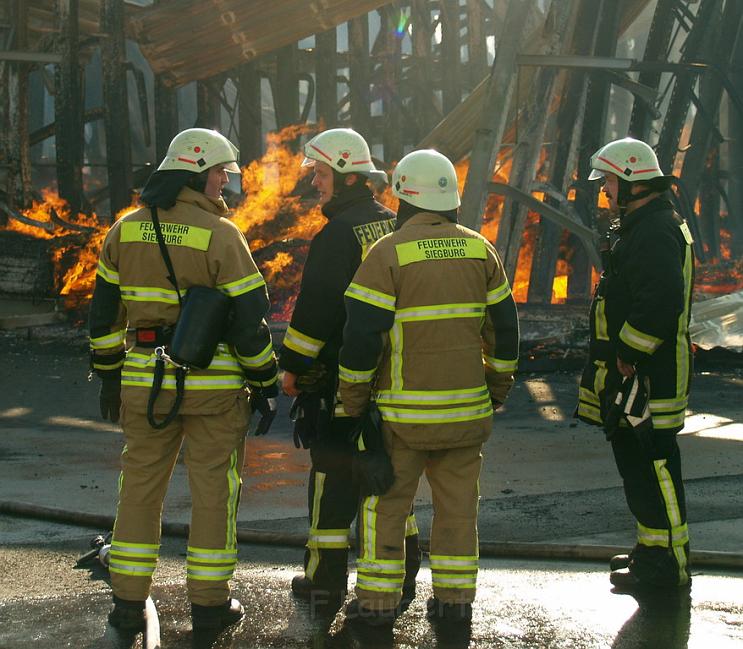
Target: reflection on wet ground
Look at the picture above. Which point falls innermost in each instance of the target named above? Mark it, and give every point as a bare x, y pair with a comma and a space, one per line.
519, 604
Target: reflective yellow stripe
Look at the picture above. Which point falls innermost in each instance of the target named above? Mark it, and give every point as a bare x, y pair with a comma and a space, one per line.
242, 285
302, 343
233, 498
453, 581
589, 412
683, 352
258, 360
370, 296
439, 249
314, 559
411, 526
174, 234
212, 382
588, 396
149, 294
441, 312
369, 527
501, 365
498, 294
396, 341
111, 276
109, 341
355, 376
638, 340
432, 397
382, 566
602, 326
668, 405
225, 555
378, 584
436, 416
321, 538
107, 366
449, 562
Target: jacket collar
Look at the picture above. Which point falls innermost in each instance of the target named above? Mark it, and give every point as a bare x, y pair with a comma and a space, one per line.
192, 197
659, 204
424, 218
341, 202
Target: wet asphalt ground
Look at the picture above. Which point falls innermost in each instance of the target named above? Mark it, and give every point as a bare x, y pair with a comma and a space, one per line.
547, 482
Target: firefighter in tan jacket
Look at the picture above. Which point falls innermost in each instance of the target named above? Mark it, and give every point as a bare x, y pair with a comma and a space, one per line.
135, 306
432, 336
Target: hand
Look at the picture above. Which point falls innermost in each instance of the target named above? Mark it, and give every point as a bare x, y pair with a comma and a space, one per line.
267, 407
496, 404
289, 384
625, 369
109, 397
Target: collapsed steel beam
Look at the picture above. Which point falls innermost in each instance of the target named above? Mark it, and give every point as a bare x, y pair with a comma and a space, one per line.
588, 237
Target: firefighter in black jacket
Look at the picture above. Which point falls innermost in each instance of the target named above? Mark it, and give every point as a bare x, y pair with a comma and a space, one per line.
636, 383
309, 357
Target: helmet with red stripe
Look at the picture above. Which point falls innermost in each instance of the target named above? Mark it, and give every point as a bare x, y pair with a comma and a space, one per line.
345, 151
199, 149
426, 179
632, 160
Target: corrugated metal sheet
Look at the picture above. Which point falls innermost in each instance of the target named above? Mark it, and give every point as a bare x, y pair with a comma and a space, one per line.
186, 40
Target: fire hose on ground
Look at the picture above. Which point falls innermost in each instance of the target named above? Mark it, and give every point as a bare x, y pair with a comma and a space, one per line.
489, 549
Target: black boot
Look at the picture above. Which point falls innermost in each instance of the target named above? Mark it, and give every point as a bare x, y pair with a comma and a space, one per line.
355, 612
128, 615
448, 612
216, 617
304, 588
628, 581
408, 595
619, 561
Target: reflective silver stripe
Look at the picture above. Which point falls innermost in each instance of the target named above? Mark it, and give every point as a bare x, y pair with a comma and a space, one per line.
432, 396
301, 343
355, 376
433, 416
244, 285
638, 339
108, 341
501, 365
389, 565
498, 294
209, 572
370, 296
123, 566
217, 555
449, 580
111, 276
449, 562
259, 359
390, 585
147, 294
436, 313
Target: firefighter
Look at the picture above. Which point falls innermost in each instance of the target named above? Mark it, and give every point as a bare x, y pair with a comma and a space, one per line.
432, 336
636, 381
342, 168
136, 305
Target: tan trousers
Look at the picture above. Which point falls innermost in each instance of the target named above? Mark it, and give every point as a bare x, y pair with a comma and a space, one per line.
454, 478
214, 454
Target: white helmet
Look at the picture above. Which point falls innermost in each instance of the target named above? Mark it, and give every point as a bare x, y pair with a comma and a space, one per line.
199, 149
345, 151
426, 179
632, 160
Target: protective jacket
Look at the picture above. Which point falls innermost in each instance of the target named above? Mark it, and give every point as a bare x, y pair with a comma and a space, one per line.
640, 313
432, 320
355, 221
132, 290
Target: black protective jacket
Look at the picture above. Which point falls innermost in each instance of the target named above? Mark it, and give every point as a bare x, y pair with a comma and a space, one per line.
640, 313
355, 222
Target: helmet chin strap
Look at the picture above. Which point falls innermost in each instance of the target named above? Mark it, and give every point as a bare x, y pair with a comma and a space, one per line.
625, 195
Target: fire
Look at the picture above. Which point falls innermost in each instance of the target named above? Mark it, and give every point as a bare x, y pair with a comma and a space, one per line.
279, 215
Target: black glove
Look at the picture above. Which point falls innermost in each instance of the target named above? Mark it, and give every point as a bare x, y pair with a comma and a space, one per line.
373, 471
267, 407
305, 412
109, 396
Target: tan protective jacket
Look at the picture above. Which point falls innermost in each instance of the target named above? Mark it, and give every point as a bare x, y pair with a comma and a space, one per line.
132, 290
432, 334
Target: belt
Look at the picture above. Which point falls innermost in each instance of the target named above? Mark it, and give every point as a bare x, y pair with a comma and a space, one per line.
152, 336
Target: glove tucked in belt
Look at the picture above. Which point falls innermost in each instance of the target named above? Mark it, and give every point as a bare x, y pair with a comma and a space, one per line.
266, 406
306, 412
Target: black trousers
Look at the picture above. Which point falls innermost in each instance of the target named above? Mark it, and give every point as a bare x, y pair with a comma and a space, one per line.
333, 502
654, 489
